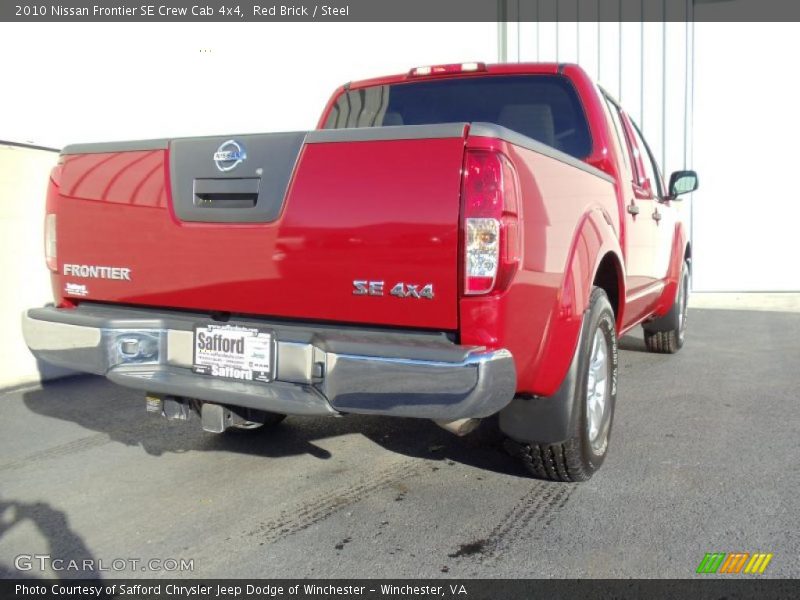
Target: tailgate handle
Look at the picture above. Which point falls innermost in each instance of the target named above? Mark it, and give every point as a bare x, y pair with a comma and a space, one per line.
226, 193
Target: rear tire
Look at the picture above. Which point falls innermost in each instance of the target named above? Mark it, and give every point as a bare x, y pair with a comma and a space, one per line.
666, 334
580, 456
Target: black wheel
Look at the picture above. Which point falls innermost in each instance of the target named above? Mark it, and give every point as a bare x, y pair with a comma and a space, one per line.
593, 399
666, 334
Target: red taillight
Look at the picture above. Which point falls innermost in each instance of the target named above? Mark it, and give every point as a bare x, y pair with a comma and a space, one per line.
490, 213
447, 69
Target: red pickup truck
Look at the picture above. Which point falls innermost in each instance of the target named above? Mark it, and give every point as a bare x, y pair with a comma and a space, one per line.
449, 244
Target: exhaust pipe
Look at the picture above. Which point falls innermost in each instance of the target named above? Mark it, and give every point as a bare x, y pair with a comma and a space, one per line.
460, 427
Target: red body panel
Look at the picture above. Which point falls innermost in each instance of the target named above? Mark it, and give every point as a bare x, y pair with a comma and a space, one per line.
339, 224
569, 218
386, 211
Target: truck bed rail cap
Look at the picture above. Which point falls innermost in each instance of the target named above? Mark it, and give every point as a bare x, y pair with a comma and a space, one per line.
354, 134
103, 147
391, 132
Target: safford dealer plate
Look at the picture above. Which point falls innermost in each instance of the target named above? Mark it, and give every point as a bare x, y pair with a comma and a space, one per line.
232, 352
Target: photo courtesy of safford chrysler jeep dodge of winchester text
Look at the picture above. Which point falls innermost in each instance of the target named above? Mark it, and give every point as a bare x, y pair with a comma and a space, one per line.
451, 243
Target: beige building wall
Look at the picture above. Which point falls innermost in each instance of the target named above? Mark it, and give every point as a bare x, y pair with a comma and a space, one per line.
24, 278
714, 97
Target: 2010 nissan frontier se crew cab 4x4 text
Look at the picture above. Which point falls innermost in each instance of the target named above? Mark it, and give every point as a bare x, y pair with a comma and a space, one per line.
448, 244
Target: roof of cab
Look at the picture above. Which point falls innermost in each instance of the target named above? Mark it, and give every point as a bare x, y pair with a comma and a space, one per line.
493, 69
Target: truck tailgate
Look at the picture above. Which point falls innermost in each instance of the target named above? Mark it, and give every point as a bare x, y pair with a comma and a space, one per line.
285, 232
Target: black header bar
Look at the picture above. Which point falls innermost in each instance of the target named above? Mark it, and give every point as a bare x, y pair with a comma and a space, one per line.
398, 10
377, 589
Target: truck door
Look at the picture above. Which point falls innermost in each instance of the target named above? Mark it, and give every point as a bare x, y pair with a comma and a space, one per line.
642, 216
663, 214
639, 238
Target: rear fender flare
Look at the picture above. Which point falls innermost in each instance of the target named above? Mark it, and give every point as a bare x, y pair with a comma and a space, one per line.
551, 419
593, 240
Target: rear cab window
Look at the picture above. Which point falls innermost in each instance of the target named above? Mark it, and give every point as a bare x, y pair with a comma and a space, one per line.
543, 107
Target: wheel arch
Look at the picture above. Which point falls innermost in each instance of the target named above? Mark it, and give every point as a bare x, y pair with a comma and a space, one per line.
594, 247
609, 276
595, 255
687, 255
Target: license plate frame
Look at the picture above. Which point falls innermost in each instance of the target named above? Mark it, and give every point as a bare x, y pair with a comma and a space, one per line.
234, 352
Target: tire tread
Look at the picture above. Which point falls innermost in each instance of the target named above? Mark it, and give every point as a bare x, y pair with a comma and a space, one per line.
552, 462
661, 342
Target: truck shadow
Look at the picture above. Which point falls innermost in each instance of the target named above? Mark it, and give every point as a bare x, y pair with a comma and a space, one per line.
62, 542
118, 415
633, 343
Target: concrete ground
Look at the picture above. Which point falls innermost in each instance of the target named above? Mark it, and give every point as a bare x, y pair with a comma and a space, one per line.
703, 458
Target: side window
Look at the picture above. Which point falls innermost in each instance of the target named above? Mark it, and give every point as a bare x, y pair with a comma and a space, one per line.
643, 172
650, 165
615, 120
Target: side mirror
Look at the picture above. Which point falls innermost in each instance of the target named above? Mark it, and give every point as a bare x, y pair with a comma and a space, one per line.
682, 182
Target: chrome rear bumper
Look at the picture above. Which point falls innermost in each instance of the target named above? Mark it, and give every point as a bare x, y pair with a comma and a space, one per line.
320, 370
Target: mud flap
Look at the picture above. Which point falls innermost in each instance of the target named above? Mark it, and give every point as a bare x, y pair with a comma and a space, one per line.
545, 419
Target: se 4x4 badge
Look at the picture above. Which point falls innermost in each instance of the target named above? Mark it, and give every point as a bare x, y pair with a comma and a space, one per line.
362, 287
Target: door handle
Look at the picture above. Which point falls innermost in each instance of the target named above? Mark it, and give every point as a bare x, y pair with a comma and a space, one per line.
633, 209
